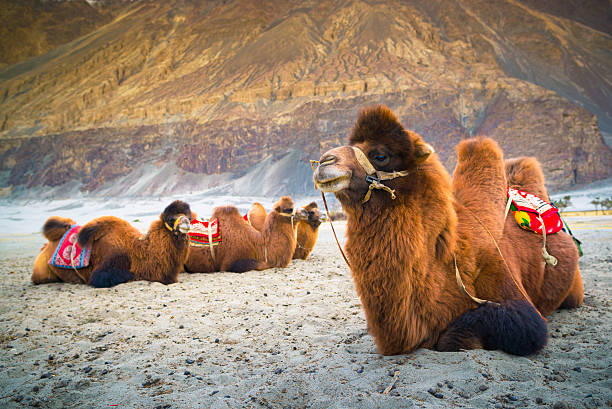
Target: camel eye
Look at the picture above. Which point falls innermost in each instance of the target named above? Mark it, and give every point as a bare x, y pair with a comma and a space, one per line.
380, 158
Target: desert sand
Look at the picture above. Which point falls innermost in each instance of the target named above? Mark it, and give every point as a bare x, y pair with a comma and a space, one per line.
293, 337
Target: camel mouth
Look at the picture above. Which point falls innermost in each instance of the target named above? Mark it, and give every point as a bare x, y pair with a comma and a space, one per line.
301, 214
334, 184
184, 225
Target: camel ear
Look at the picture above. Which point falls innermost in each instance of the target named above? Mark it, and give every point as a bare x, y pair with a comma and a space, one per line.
422, 150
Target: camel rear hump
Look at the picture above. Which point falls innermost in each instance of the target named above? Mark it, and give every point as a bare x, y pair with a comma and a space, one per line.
525, 173
98, 228
55, 227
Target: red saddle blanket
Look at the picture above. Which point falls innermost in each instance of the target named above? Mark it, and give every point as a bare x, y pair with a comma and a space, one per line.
68, 253
203, 233
526, 209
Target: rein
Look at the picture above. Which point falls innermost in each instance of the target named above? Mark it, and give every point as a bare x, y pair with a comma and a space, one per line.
334, 230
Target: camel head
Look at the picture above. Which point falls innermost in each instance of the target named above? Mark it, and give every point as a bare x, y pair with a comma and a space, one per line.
381, 158
285, 207
314, 217
177, 217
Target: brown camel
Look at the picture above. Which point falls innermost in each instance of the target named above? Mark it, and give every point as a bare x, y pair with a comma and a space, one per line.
242, 247
307, 232
257, 216
119, 252
408, 227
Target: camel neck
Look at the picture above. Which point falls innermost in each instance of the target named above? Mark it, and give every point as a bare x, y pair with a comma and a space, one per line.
400, 259
279, 239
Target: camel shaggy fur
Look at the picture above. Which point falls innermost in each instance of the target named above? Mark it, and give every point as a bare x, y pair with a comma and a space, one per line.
120, 253
242, 247
403, 251
307, 232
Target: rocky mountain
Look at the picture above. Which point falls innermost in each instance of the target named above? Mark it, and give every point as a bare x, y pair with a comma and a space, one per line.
192, 94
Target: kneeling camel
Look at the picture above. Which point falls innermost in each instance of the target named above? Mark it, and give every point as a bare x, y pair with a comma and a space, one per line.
410, 228
119, 252
307, 232
242, 247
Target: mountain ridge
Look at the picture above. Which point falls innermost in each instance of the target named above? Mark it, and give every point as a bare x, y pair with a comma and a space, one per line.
214, 87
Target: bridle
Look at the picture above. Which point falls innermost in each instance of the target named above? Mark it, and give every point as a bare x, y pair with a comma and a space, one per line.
374, 176
177, 221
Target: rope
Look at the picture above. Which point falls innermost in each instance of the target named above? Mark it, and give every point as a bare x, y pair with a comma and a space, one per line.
462, 287
519, 287
334, 230
173, 228
72, 254
550, 259
210, 241
374, 181
377, 185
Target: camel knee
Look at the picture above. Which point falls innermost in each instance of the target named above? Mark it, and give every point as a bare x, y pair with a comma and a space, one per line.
41, 273
40, 276
576, 294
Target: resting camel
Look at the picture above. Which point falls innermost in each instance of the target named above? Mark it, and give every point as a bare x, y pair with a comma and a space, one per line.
242, 247
307, 232
119, 252
408, 227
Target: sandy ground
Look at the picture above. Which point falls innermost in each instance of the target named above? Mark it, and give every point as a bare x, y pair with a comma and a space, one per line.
293, 337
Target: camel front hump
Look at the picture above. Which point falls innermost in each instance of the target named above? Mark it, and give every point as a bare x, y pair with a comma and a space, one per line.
433, 259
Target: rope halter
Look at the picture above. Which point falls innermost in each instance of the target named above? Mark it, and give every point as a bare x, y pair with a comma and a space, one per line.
177, 221
292, 216
374, 177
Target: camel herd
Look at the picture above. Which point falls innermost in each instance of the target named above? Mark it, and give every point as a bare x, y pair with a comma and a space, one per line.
121, 253
434, 259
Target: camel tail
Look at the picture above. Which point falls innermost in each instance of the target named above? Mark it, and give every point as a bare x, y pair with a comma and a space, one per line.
114, 270
55, 227
514, 327
243, 265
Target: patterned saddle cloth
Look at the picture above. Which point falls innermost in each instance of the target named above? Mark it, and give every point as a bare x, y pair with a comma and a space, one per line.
530, 211
203, 233
68, 253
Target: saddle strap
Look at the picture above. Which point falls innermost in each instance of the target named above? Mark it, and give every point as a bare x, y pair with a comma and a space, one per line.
210, 241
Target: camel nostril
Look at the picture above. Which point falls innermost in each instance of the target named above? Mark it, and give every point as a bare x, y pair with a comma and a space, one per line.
328, 160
